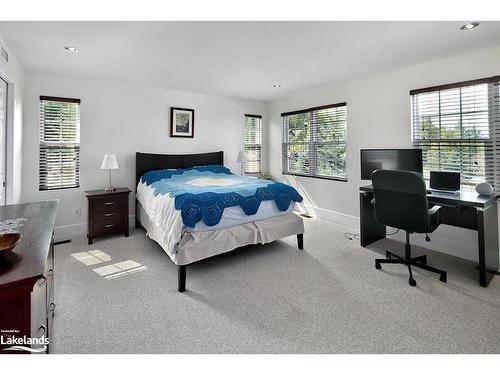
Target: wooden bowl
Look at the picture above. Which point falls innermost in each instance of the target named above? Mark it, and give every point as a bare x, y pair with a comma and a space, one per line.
8, 241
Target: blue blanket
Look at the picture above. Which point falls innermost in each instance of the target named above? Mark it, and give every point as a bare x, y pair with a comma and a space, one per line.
202, 193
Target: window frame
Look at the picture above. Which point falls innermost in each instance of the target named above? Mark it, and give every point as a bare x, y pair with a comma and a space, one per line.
312, 143
254, 145
42, 143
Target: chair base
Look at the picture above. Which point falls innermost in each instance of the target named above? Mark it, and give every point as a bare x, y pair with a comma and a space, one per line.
419, 262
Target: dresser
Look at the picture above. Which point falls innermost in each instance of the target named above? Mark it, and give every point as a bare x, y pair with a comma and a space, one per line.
107, 212
27, 278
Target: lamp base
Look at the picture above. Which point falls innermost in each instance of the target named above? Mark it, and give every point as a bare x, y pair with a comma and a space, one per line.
110, 187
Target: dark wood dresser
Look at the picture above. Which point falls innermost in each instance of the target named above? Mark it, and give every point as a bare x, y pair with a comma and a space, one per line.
27, 278
108, 212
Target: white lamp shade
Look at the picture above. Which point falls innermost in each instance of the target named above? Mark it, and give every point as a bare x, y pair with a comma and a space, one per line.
242, 157
109, 162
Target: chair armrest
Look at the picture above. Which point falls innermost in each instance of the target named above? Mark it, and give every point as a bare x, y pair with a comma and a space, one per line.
433, 210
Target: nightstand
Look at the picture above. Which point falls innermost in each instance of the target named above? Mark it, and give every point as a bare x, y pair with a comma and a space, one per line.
108, 212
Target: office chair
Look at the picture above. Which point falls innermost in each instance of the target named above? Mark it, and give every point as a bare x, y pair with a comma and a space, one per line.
401, 202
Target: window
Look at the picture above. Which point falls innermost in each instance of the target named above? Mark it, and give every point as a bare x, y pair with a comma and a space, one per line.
253, 144
315, 142
455, 127
59, 156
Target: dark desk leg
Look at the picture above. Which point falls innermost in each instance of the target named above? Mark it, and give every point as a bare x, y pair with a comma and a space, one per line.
487, 223
371, 230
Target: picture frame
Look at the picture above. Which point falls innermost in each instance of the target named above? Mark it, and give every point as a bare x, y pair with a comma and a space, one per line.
181, 122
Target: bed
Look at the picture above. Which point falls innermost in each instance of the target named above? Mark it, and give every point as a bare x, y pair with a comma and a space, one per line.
187, 241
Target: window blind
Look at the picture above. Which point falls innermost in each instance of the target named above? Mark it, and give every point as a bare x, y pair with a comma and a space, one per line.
59, 157
455, 128
253, 144
494, 99
315, 142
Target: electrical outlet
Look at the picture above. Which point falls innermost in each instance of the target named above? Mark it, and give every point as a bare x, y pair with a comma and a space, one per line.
78, 212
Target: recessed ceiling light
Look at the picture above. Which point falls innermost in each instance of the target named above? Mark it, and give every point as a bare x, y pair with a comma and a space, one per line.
71, 49
469, 26
277, 85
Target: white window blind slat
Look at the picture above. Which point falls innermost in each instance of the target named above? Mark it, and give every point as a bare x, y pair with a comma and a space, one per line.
59, 149
315, 142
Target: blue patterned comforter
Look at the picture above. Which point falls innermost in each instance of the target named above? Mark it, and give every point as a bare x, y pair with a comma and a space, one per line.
202, 193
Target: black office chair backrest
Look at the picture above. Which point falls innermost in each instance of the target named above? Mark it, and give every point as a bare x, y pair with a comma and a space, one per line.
401, 200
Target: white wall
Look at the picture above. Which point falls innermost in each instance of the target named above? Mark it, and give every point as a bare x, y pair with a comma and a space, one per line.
378, 110
123, 119
13, 74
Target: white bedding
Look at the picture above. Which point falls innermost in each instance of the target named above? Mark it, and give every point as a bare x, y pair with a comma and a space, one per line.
195, 246
161, 211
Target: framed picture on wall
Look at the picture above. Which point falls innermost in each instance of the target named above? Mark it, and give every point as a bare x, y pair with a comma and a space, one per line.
181, 122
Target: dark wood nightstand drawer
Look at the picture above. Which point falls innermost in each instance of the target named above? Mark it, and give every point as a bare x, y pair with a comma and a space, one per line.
108, 212
107, 227
110, 204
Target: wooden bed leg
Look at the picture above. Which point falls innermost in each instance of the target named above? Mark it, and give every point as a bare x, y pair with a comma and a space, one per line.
181, 278
300, 241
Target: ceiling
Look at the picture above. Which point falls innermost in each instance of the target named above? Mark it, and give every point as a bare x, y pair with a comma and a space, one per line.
237, 59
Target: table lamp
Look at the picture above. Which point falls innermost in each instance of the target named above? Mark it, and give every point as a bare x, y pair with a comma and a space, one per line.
109, 162
242, 159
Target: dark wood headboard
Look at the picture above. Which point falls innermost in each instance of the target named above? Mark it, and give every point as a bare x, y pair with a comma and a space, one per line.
148, 162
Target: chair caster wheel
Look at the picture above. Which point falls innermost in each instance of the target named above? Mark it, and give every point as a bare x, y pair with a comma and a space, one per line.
412, 282
378, 266
443, 278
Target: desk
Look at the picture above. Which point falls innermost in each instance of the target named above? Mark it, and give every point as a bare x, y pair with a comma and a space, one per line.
465, 210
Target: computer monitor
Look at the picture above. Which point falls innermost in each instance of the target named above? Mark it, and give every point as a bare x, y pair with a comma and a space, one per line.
409, 159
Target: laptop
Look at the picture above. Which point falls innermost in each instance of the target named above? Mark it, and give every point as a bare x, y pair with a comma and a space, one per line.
445, 182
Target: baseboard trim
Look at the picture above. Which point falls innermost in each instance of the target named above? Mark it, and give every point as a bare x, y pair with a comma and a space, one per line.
64, 232
337, 217
329, 215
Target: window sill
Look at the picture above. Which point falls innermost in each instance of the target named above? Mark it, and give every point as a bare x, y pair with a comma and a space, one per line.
62, 188
340, 179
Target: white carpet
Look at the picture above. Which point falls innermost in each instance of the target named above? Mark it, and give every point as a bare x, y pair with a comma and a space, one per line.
328, 298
